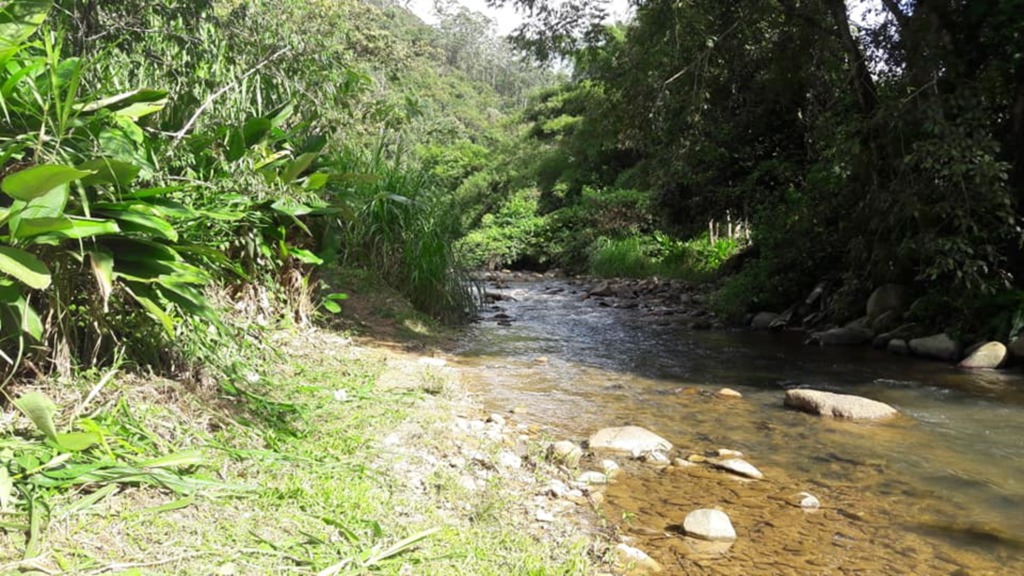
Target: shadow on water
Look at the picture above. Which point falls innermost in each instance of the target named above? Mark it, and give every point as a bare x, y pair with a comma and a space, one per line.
941, 487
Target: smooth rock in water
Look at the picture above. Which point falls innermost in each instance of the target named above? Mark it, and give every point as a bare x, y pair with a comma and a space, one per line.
611, 469
763, 320
937, 347
566, 451
988, 355
838, 405
886, 298
656, 457
741, 467
628, 439
845, 336
728, 453
729, 393
592, 477
808, 501
898, 346
681, 463
709, 525
634, 561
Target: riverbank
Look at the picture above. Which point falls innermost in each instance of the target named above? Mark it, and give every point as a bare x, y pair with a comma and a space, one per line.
364, 458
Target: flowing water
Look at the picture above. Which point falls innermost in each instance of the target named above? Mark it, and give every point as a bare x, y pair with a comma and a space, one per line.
938, 491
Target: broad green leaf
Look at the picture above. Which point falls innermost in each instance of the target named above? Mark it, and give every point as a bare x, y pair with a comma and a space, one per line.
316, 181
255, 130
25, 267
332, 306
305, 256
38, 180
102, 263
291, 207
49, 205
125, 99
131, 221
297, 167
109, 171
146, 298
76, 441
150, 192
40, 410
140, 250
19, 19
63, 228
140, 109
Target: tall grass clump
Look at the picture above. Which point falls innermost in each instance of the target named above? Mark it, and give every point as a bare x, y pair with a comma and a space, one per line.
400, 230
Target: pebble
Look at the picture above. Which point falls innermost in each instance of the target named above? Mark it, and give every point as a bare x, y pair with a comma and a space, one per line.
545, 516
611, 468
808, 501
729, 393
635, 561
565, 451
467, 482
741, 467
709, 525
496, 419
510, 460
727, 453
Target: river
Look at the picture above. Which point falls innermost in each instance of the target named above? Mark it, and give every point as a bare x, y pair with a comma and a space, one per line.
938, 491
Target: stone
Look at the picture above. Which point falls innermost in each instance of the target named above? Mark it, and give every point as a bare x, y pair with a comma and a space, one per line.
592, 477
496, 419
556, 489
709, 524
634, 561
741, 467
936, 347
807, 501
603, 289
834, 405
656, 457
628, 439
886, 298
545, 516
988, 355
510, 460
611, 469
763, 320
565, 451
886, 321
729, 453
729, 393
898, 346
845, 336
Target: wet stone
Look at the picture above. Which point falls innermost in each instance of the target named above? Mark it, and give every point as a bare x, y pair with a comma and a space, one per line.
741, 467
706, 524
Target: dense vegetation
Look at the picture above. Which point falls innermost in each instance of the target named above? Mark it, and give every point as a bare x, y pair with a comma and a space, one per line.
886, 148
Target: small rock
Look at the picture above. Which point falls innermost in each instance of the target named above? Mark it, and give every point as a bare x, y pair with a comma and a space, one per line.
592, 477
565, 451
988, 355
545, 516
467, 482
808, 501
496, 419
729, 393
656, 457
634, 561
540, 360
727, 453
597, 498
937, 347
510, 460
709, 525
681, 463
741, 467
696, 459
628, 439
838, 405
611, 469
519, 410
898, 346
556, 489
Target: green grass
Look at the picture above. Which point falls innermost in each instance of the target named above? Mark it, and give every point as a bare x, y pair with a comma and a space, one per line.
658, 255
345, 486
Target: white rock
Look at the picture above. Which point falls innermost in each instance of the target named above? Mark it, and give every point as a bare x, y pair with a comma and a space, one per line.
628, 439
557, 489
545, 516
565, 451
611, 469
741, 467
635, 561
729, 393
510, 460
496, 419
838, 405
657, 457
808, 501
988, 355
592, 477
467, 482
727, 453
709, 525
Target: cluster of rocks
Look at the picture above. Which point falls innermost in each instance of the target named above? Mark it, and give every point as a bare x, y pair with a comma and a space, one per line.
885, 325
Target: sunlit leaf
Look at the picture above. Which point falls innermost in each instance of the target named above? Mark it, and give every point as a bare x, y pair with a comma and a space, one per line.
25, 267
38, 180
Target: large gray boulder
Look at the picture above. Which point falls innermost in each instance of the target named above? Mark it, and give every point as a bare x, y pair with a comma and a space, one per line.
763, 320
709, 525
845, 336
628, 439
834, 405
988, 355
937, 347
888, 297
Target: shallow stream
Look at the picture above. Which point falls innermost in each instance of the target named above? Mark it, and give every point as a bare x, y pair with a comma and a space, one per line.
939, 491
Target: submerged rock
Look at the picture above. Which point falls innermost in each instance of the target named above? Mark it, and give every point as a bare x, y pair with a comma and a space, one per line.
845, 336
898, 346
635, 561
838, 405
628, 439
807, 501
709, 525
741, 467
936, 346
988, 355
729, 393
